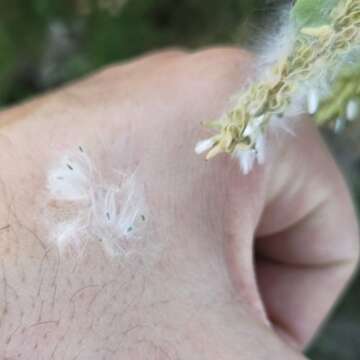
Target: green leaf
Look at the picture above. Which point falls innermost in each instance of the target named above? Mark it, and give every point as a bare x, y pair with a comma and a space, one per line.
312, 13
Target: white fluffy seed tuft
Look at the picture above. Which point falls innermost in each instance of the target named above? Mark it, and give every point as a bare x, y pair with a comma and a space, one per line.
313, 101
108, 212
352, 110
204, 145
339, 125
246, 159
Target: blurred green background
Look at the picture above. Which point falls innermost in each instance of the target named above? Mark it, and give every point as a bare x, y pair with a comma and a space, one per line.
44, 43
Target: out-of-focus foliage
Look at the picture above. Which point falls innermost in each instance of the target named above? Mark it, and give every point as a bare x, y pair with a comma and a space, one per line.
47, 42
44, 43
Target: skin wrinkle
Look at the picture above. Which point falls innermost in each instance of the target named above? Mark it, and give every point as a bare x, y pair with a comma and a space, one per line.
297, 224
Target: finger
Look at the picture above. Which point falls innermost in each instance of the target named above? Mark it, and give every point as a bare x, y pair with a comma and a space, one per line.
155, 58
307, 240
140, 66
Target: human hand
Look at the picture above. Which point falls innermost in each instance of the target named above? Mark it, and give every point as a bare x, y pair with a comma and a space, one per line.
202, 295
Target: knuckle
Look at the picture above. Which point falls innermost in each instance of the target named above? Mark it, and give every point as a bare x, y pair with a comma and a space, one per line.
159, 56
147, 60
175, 52
227, 67
225, 57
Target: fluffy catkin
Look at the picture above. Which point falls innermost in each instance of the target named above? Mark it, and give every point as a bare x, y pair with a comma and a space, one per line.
308, 58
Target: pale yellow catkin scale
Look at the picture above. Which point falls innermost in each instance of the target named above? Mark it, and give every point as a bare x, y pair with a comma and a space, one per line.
314, 49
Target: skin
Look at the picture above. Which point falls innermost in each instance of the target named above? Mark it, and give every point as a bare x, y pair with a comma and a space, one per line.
245, 267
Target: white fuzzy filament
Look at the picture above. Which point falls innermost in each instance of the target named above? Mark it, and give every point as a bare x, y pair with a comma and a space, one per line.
109, 212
